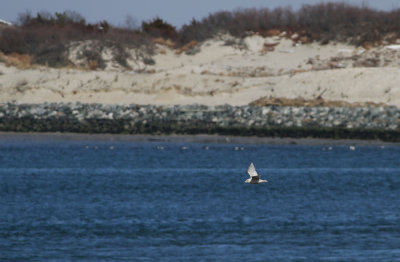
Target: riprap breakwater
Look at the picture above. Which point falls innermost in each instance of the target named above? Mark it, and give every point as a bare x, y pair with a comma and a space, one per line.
320, 122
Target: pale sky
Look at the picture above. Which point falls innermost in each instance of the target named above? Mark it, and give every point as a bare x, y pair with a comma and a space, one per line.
175, 12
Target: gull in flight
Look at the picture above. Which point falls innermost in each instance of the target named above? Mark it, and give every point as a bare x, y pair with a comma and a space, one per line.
254, 176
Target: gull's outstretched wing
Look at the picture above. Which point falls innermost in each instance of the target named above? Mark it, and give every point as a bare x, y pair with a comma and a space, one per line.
252, 171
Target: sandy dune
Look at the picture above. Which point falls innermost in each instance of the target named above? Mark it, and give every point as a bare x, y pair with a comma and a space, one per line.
219, 74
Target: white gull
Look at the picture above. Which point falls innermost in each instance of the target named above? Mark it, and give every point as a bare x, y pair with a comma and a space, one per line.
255, 178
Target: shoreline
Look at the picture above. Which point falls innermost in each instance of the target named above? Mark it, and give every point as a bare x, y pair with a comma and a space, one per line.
267, 124
200, 138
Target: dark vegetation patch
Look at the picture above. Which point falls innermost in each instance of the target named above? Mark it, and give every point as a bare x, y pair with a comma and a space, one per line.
53, 55
322, 22
46, 36
159, 28
92, 56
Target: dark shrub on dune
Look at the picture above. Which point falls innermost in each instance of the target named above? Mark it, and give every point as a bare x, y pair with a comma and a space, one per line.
47, 37
159, 28
322, 22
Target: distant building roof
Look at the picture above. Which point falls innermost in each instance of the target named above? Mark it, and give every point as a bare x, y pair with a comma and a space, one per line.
5, 22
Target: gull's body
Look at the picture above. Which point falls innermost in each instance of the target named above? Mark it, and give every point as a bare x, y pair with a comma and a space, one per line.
255, 178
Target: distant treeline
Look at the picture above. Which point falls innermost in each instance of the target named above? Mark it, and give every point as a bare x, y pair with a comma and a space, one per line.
46, 36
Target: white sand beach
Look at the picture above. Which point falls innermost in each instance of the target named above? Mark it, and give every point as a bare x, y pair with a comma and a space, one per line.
218, 74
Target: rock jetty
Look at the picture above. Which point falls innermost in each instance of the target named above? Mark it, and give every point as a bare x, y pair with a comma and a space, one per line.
325, 122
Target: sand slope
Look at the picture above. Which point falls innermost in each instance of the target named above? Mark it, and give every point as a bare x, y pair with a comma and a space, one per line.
220, 74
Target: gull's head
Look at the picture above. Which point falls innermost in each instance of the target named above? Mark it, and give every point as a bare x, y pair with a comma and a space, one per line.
247, 180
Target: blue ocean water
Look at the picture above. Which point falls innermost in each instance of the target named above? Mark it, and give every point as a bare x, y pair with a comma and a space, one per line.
153, 201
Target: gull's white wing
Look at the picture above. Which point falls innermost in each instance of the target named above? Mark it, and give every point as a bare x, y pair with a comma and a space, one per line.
252, 171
